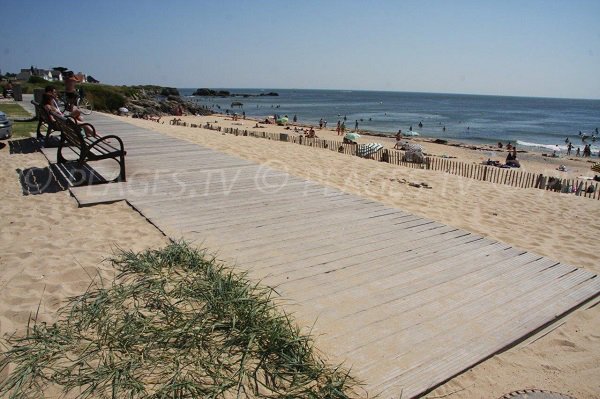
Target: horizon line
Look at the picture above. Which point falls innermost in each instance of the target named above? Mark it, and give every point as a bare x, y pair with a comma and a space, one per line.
399, 91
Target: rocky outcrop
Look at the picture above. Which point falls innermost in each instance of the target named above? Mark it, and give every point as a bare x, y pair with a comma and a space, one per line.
169, 91
148, 103
225, 93
211, 93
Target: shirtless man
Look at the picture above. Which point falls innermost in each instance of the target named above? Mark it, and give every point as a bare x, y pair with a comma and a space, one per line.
70, 91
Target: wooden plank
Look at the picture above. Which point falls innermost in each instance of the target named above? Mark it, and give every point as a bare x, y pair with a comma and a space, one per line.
379, 262
374, 314
385, 286
456, 319
540, 307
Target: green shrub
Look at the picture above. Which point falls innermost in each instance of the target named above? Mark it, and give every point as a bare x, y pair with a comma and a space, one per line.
36, 80
104, 98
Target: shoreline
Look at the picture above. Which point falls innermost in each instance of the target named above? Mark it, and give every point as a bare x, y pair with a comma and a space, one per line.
528, 122
531, 161
474, 145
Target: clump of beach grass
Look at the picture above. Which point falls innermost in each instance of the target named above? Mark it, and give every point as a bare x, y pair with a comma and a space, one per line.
175, 323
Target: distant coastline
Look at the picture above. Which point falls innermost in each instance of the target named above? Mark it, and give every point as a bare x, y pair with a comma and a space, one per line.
535, 124
227, 93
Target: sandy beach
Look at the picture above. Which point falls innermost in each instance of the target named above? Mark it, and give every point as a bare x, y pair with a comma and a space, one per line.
51, 248
531, 161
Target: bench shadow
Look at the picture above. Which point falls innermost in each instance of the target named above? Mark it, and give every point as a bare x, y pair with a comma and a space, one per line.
57, 177
35, 181
24, 146
75, 175
31, 145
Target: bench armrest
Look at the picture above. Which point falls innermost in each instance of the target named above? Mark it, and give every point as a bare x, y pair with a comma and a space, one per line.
103, 138
54, 115
83, 125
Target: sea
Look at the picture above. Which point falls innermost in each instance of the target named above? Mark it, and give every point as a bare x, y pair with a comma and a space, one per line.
534, 124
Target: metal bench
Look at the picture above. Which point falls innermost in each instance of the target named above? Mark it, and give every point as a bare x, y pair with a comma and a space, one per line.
88, 148
43, 119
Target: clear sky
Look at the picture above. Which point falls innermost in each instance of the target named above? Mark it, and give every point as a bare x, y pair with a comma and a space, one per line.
548, 48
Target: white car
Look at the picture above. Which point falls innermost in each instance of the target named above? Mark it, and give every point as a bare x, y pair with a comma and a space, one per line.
5, 126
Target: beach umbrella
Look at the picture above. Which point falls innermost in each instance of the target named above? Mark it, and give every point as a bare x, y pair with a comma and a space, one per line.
352, 136
368, 149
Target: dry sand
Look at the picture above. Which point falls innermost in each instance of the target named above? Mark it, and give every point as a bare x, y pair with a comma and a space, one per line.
49, 246
50, 249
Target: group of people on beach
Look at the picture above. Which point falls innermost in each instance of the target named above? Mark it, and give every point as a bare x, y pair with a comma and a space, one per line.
341, 128
511, 159
308, 132
587, 150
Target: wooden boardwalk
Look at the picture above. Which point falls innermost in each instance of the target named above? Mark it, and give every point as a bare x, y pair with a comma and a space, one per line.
406, 302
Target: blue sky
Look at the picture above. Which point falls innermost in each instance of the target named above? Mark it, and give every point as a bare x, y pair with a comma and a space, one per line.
526, 47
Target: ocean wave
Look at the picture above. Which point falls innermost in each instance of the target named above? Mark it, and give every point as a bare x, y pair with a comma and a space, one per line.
538, 145
551, 147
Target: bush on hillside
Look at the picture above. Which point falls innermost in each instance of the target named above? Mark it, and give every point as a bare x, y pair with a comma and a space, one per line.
36, 80
105, 98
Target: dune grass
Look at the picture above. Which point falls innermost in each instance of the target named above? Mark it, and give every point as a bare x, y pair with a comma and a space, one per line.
175, 323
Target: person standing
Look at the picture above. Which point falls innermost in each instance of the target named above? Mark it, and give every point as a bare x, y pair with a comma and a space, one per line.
569, 148
356, 125
70, 91
338, 128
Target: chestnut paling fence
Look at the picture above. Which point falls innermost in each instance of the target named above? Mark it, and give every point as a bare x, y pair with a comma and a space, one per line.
492, 174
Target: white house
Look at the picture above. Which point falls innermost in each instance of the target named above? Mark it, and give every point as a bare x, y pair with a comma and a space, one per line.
49, 75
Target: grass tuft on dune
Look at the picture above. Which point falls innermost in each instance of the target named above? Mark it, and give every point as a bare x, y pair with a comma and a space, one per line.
175, 323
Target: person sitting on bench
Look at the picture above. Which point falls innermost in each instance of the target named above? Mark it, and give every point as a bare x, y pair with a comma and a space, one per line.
51, 105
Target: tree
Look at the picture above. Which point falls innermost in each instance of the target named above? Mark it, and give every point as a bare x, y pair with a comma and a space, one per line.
61, 69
